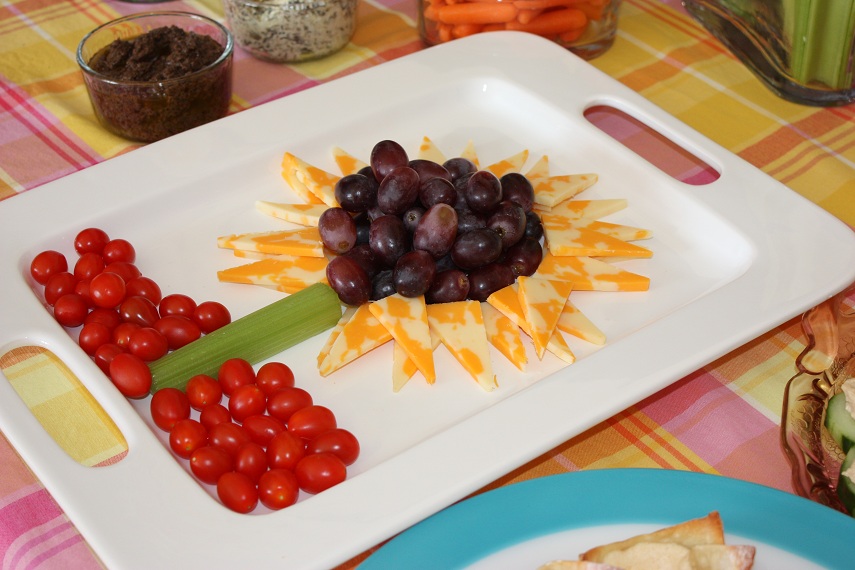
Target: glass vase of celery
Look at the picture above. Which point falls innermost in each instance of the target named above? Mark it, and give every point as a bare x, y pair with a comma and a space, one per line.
803, 50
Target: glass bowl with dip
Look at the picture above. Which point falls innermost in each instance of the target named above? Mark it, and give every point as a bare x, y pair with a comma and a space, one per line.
152, 75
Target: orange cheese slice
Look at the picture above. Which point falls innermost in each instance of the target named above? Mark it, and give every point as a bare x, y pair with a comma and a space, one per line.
301, 242
617, 231
403, 368
573, 321
406, 320
564, 240
346, 162
304, 177
540, 169
504, 335
589, 274
429, 151
345, 317
507, 301
591, 209
286, 273
542, 301
551, 190
301, 214
360, 334
460, 327
469, 153
513, 163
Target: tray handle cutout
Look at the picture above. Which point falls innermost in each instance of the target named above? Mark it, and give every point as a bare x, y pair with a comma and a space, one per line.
651, 145
50, 389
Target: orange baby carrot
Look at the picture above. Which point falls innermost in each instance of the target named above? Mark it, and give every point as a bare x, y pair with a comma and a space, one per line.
571, 36
477, 13
445, 33
431, 13
552, 23
543, 4
463, 30
526, 16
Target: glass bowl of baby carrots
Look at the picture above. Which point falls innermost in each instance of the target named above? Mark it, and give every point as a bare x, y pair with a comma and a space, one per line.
586, 27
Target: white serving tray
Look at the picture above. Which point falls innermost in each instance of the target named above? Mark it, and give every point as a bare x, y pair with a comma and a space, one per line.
732, 259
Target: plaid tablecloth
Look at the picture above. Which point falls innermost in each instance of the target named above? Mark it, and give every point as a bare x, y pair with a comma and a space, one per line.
723, 418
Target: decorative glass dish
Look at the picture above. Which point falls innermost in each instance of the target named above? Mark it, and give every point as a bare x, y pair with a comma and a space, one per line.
827, 361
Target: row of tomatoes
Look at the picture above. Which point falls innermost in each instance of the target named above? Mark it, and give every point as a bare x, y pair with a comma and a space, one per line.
123, 318
268, 441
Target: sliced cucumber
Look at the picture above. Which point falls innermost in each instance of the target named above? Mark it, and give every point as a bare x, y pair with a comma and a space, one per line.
845, 485
840, 423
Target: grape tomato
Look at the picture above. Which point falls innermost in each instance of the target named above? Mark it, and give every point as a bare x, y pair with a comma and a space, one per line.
148, 344
119, 250
90, 240
179, 331
186, 437
177, 304
228, 436
318, 472
88, 266
46, 264
70, 310
245, 401
211, 316
130, 375
128, 271
93, 336
203, 391
251, 460
209, 463
339, 442
107, 290
284, 451
139, 310
214, 414
274, 376
59, 284
283, 403
311, 421
262, 428
278, 489
237, 492
168, 406
235, 372
144, 287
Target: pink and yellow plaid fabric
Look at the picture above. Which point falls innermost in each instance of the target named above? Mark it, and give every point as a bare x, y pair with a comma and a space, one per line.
723, 419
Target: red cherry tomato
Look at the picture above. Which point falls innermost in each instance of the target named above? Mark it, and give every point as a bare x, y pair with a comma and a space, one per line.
262, 428
311, 421
214, 414
273, 376
319, 472
211, 316
251, 460
278, 489
169, 406
130, 375
145, 287
237, 492
228, 437
46, 264
91, 240
122, 334
209, 463
82, 289
204, 391
88, 266
119, 250
104, 356
107, 290
283, 403
70, 310
177, 304
339, 442
59, 284
186, 437
139, 310
284, 451
92, 336
235, 372
148, 344
128, 271
247, 400
108, 317
179, 331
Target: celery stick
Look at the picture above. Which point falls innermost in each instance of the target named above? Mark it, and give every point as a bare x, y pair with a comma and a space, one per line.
820, 33
255, 337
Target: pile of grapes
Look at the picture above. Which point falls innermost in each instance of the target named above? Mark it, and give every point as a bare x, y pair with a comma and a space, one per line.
447, 231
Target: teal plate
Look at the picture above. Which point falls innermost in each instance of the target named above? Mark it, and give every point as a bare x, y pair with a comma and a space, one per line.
474, 529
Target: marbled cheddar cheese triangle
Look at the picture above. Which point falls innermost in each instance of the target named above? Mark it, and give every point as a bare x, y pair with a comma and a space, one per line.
359, 335
540, 169
325, 350
302, 214
406, 320
504, 335
286, 273
318, 182
460, 327
289, 173
507, 301
301, 242
346, 162
589, 274
429, 151
570, 240
591, 209
403, 367
512, 163
470, 154
542, 301
617, 231
573, 321
551, 190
